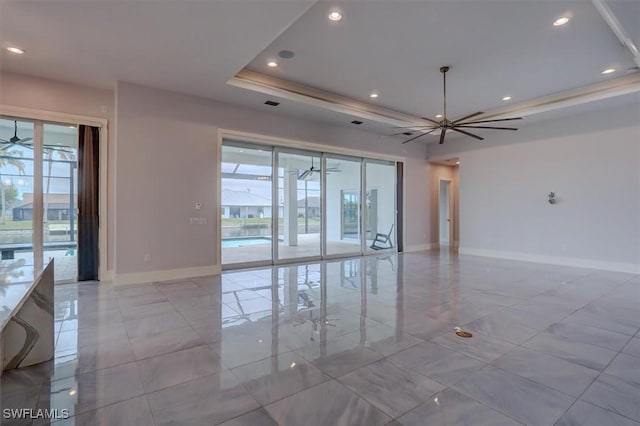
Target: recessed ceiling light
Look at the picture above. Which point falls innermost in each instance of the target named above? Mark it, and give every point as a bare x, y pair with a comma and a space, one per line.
457, 162
608, 71
506, 98
561, 21
439, 116
374, 95
15, 50
272, 64
335, 15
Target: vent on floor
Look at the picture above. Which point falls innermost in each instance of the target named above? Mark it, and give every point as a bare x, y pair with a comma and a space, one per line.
461, 333
272, 103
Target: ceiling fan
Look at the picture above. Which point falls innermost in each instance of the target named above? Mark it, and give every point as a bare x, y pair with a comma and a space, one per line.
460, 125
26, 142
15, 140
305, 174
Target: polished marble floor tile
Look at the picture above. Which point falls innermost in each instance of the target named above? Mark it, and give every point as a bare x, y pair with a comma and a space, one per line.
617, 319
626, 367
633, 347
585, 414
89, 391
347, 342
547, 370
258, 417
392, 389
502, 325
207, 400
451, 408
520, 398
153, 325
437, 362
583, 354
165, 342
177, 367
279, 376
132, 412
480, 346
590, 335
329, 403
615, 394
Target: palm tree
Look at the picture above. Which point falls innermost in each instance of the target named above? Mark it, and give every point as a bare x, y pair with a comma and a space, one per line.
62, 154
7, 160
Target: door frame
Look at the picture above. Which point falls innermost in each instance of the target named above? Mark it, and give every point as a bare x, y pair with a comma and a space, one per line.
449, 183
288, 145
31, 114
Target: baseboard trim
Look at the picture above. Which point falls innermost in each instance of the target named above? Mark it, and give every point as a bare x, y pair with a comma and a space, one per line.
107, 276
170, 274
421, 247
554, 260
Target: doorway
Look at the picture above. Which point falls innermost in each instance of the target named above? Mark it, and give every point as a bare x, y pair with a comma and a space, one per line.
445, 216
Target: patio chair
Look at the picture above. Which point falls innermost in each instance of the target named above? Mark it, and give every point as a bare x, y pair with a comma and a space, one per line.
382, 241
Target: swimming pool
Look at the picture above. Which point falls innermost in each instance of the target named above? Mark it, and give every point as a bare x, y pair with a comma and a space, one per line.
240, 242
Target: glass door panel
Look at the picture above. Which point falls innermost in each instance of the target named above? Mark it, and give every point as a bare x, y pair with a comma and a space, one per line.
16, 199
380, 206
246, 204
60, 199
343, 205
299, 201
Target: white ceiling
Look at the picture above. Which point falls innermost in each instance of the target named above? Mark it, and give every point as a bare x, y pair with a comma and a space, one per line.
495, 48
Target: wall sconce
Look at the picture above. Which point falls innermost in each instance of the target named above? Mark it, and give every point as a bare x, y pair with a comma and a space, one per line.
552, 198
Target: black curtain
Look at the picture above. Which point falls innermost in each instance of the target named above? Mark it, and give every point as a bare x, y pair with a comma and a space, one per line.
88, 187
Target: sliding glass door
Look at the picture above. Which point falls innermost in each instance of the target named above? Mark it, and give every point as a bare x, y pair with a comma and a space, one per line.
299, 205
246, 209
319, 205
343, 205
60, 199
16, 199
380, 205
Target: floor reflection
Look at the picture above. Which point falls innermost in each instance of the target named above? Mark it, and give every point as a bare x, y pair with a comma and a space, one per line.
210, 349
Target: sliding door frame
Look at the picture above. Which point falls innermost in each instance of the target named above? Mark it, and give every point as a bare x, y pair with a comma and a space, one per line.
276, 234
49, 117
278, 145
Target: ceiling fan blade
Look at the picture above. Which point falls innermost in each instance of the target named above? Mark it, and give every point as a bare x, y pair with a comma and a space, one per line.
455, 129
423, 130
419, 136
304, 174
428, 119
26, 140
412, 127
485, 127
468, 117
492, 121
442, 133
3, 140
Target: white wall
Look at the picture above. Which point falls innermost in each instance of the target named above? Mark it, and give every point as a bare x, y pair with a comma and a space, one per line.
46, 95
592, 163
166, 161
